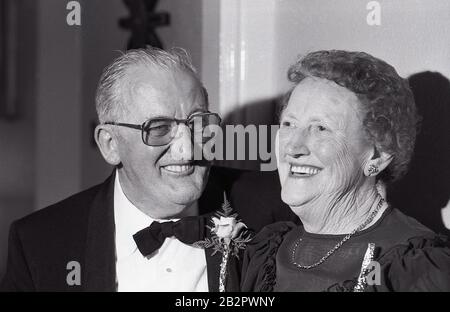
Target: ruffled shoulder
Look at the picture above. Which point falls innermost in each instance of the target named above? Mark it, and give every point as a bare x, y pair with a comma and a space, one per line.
422, 264
259, 263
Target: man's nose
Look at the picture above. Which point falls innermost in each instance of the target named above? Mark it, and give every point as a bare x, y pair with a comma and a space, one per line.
297, 144
182, 146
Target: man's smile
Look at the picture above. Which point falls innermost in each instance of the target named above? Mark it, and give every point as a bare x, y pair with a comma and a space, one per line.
179, 169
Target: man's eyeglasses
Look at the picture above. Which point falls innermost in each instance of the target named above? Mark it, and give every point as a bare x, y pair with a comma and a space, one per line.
161, 130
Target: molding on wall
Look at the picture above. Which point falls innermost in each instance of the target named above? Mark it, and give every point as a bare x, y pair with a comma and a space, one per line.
238, 39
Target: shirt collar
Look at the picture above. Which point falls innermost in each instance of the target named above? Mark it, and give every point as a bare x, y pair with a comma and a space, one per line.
129, 220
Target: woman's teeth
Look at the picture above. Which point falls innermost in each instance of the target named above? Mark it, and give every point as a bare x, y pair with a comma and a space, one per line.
306, 170
178, 168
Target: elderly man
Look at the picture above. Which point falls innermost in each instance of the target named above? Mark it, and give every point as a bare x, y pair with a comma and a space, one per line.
115, 236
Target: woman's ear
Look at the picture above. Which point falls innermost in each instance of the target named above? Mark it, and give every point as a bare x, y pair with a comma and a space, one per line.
107, 143
378, 163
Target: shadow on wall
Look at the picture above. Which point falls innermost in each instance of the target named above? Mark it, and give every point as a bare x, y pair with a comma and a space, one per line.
425, 189
259, 113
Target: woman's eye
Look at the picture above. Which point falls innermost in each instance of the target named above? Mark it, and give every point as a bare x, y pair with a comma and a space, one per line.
286, 124
318, 128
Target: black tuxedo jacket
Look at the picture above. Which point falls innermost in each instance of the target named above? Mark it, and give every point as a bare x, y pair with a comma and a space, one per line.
81, 228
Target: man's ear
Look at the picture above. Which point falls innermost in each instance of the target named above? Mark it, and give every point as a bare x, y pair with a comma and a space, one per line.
107, 143
379, 162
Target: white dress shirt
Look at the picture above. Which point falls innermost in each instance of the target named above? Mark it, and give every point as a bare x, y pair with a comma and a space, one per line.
174, 267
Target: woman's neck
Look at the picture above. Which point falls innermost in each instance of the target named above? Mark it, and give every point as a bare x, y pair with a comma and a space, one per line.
341, 214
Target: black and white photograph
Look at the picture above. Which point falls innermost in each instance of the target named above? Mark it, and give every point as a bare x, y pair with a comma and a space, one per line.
215, 150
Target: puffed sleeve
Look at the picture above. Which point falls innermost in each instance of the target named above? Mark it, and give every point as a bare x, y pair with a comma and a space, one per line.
259, 266
423, 264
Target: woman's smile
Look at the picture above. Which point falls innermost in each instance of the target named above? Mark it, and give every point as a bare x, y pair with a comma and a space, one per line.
303, 171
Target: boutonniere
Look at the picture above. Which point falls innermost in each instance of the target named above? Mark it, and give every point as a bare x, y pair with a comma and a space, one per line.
229, 235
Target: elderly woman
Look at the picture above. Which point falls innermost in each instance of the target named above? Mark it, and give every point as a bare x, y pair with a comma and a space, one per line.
347, 130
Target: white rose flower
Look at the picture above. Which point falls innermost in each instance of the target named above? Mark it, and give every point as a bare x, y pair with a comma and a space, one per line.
227, 228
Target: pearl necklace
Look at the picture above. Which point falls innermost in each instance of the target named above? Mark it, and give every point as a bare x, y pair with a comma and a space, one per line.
338, 245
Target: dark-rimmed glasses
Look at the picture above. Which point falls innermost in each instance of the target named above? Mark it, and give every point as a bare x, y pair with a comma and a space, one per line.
161, 130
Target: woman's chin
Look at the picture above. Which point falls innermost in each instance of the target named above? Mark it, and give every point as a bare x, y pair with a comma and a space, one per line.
298, 202
299, 210
294, 201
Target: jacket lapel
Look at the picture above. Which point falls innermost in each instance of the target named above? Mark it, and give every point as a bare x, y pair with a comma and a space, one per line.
212, 262
100, 255
213, 269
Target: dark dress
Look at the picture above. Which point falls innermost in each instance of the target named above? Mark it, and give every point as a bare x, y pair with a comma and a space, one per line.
408, 257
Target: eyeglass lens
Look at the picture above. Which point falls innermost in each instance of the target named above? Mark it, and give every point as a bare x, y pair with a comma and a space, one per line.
162, 130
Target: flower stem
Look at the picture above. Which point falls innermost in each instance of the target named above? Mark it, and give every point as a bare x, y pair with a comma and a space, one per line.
223, 269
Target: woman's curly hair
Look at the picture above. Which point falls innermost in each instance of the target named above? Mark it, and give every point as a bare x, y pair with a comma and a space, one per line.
390, 117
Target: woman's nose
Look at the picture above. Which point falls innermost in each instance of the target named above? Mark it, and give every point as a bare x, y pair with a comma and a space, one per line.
182, 145
297, 145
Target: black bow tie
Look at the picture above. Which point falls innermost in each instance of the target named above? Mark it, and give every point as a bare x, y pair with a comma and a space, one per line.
187, 230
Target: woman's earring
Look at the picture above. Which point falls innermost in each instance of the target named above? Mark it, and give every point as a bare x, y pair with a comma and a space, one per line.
372, 170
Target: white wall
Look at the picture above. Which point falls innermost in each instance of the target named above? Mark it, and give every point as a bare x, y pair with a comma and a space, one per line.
413, 35
256, 41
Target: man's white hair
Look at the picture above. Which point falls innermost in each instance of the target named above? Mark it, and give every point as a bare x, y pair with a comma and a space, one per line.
109, 101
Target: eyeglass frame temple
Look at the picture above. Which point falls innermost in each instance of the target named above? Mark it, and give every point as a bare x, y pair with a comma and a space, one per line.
185, 121
178, 121
133, 126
